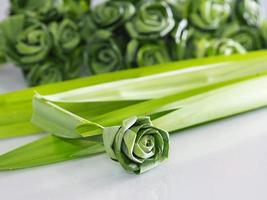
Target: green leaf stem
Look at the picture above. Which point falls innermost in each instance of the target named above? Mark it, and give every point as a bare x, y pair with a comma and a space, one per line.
27, 43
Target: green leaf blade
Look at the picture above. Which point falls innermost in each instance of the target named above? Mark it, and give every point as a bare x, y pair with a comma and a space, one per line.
47, 150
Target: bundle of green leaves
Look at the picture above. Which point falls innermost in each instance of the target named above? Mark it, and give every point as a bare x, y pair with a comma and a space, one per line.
64, 39
129, 114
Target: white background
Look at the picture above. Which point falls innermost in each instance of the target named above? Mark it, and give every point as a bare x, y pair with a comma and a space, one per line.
223, 160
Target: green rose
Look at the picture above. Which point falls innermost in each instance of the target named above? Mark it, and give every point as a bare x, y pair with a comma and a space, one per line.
180, 7
66, 36
44, 10
50, 10
249, 11
112, 14
137, 145
44, 73
75, 8
249, 37
141, 54
103, 53
32, 44
209, 14
24, 41
224, 46
153, 19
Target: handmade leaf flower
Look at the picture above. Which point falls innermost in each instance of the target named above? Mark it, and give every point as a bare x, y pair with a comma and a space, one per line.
103, 53
44, 10
209, 14
50, 10
75, 8
66, 36
25, 41
215, 47
44, 73
248, 11
154, 19
112, 14
180, 7
33, 43
137, 145
140, 54
248, 37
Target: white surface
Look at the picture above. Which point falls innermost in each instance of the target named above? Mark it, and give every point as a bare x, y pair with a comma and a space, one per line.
219, 161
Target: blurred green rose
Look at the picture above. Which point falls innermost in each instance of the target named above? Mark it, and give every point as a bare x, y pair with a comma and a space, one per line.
141, 54
153, 19
44, 73
103, 53
209, 14
66, 36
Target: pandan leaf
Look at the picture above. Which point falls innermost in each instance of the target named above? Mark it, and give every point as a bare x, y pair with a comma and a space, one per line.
47, 150
197, 110
17, 106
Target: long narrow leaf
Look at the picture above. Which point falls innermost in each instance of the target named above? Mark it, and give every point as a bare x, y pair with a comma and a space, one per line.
47, 150
52, 149
167, 83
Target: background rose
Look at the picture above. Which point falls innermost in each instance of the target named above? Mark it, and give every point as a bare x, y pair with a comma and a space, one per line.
66, 36
140, 54
209, 14
215, 47
103, 53
44, 73
153, 19
112, 14
25, 41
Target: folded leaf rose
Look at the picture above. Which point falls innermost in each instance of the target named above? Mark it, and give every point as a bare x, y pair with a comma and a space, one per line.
66, 36
137, 145
213, 47
248, 37
112, 14
141, 54
180, 7
153, 19
209, 14
103, 53
248, 11
25, 41
44, 73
